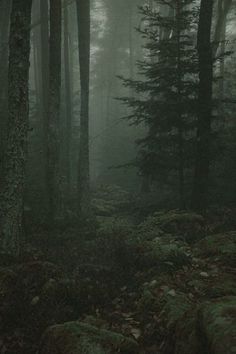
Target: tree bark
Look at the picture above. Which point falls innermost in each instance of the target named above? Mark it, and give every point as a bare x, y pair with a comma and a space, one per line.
179, 109
44, 74
222, 12
83, 15
5, 11
53, 137
202, 165
12, 190
68, 99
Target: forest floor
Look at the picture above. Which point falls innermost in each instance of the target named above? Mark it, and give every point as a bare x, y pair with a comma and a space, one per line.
141, 280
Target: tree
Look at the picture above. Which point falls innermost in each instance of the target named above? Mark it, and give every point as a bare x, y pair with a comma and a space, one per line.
68, 98
12, 190
165, 98
53, 138
83, 15
219, 45
223, 7
44, 74
202, 165
5, 11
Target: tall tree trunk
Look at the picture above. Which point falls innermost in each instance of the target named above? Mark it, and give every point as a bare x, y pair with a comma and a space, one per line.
68, 99
146, 178
44, 74
11, 199
83, 14
222, 76
179, 6
5, 11
53, 141
204, 47
223, 8
131, 44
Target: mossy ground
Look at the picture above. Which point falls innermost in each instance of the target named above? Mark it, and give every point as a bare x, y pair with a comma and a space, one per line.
163, 282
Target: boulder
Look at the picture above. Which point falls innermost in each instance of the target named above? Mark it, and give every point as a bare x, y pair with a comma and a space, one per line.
217, 324
163, 254
81, 338
221, 247
206, 328
9, 298
186, 225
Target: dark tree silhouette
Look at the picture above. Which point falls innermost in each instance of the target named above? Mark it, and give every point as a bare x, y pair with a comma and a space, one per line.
14, 162
83, 14
204, 46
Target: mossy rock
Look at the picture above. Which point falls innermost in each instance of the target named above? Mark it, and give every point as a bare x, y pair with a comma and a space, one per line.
186, 339
175, 307
220, 246
165, 255
219, 286
10, 298
179, 318
186, 225
8, 280
112, 192
149, 229
190, 226
103, 207
217, 324
81, 338
148, 302
35, 274
208, 328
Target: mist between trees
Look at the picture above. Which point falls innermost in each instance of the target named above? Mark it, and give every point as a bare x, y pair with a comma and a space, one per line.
133, 93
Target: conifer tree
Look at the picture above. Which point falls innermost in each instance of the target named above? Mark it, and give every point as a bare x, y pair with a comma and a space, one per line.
166, 95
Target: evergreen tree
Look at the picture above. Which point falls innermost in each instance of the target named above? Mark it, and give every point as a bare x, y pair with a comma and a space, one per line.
166, 94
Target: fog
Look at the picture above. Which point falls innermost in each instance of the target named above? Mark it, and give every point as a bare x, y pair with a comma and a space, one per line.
117, 176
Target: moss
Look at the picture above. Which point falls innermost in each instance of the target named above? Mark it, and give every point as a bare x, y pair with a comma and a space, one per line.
222, 285
208, 328
164, 254
103, 207
218, 322
187, 329
82, 338
175, 307
7, 281
189, 226
148, 302
222, 246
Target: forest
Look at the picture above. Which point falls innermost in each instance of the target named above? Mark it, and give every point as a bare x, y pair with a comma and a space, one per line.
117, 176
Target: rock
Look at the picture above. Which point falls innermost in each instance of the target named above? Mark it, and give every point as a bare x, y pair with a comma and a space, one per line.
220, 246
207, 328
186, 225
9, 297
33, 275
204, 274
81, 338
103, 207
163, 254
7, 281
217, 321
108, 200
175, 308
